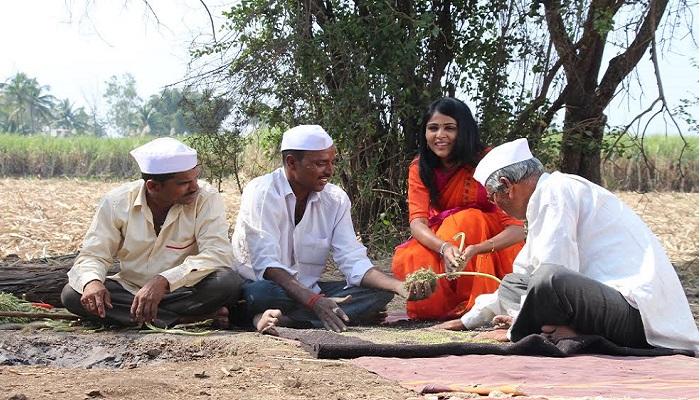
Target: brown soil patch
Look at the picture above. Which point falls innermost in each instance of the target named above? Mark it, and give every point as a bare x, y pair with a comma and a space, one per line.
231, 365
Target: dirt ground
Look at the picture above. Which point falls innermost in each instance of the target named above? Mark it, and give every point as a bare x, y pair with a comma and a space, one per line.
49, 217
227, 366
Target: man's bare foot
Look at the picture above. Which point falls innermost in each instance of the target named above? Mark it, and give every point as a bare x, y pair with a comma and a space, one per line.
268, 320
219, 317
502, 321
451, 325
496, 334
557, 332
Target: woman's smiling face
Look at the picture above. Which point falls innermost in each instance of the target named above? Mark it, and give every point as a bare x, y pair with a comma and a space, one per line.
441, 135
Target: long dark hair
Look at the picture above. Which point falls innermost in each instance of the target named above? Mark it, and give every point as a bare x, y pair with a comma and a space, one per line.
466, 150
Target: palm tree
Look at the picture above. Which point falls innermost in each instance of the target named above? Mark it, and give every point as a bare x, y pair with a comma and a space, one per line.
70, 118
150, 120
27, 106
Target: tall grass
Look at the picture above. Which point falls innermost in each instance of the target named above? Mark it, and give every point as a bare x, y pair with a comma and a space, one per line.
660, 167
79, 156
666, 164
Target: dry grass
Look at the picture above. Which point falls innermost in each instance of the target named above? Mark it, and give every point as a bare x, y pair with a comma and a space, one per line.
49, 217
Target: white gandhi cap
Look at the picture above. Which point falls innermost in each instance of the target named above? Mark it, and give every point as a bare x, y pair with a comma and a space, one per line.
306, 137
165, 156
502, 156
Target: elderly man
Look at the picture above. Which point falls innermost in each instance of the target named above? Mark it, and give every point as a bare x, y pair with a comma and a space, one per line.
289, 222
169, 232
589, 265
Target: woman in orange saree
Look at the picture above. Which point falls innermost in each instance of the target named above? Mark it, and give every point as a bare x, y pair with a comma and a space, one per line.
445, 199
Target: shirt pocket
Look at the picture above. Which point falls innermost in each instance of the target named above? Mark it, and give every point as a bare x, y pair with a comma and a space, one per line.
175, 252
313, 250
186, 246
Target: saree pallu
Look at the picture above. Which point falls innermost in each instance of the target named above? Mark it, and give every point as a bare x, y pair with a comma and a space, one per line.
453, 298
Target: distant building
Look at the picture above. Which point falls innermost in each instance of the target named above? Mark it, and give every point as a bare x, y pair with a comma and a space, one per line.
60, 132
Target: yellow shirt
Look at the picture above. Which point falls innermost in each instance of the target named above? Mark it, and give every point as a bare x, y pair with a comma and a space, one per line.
193, 241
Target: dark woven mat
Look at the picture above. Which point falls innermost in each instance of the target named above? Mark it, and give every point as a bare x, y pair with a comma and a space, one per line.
330, 345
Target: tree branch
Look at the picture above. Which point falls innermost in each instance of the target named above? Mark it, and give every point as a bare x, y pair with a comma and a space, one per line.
211, 20
148, 5
562, 43
621, 65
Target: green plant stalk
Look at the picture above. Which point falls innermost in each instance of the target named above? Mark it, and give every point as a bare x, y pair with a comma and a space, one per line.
154, 329
454, 275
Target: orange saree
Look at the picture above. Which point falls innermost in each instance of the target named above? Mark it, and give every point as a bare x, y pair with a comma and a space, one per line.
463, 207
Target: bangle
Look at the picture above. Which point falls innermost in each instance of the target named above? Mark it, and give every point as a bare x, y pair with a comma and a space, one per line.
442, 248
493, 245
313, 299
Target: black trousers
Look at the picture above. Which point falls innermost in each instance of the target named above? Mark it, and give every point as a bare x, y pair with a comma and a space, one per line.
220, 288
559, 296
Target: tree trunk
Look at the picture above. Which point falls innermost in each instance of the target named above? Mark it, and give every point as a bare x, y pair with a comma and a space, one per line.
38, 280
581, 142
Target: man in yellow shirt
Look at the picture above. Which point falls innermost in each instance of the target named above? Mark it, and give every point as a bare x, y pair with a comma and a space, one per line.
170, 235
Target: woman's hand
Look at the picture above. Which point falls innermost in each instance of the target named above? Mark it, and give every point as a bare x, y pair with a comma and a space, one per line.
461, 259
450, 256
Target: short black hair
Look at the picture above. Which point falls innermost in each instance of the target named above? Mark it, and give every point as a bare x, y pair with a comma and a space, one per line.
297, 154
157, 177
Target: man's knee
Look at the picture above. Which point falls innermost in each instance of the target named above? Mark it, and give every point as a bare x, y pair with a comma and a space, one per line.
369, 301
228, 279
71, 300
261, 292
552, 279
223, 284
383, 297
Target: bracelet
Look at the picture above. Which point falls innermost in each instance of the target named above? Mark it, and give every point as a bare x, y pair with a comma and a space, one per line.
493, 245
314, 299
442, 248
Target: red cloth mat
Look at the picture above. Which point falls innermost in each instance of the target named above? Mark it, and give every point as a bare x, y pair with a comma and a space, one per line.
667, 377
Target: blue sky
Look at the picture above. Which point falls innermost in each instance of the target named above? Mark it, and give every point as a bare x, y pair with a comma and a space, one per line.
75, 51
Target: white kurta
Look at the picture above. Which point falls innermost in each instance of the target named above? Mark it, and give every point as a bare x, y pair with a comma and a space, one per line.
581, 226
266, 237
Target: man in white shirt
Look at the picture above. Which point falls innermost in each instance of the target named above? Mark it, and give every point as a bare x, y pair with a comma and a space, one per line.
169, 232
589, 266
289, 222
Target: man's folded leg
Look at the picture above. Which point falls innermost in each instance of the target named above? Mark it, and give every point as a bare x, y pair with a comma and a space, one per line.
218, 289
561, 297
221, 288
119, 314
365, 305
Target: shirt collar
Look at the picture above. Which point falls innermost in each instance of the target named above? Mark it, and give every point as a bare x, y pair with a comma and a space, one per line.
287, 188
530, 202
141, 196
